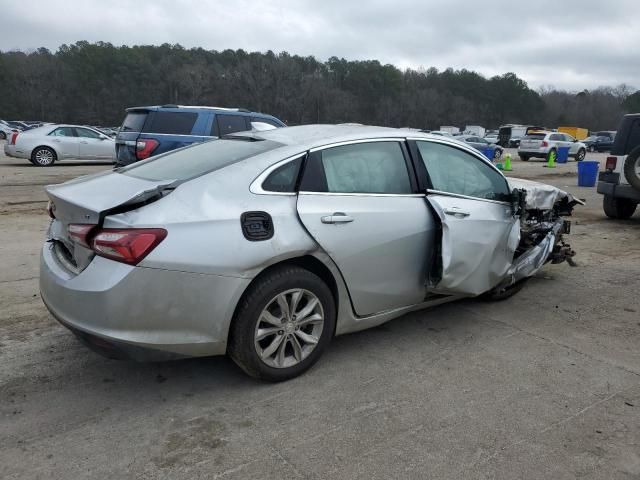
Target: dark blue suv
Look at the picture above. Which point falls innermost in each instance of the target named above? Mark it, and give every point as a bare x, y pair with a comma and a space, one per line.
148, 131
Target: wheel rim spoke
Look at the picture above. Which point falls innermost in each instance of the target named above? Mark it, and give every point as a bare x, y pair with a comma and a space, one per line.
315, 318
269, 318
306, 311
307, 338
295, 299
281, 350
297, 348
273, 346
265, 332
284, 307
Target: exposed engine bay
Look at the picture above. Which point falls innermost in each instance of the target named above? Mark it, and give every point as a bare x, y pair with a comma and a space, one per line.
541, 209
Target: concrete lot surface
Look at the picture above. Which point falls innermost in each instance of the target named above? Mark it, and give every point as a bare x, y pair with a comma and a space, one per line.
543, 385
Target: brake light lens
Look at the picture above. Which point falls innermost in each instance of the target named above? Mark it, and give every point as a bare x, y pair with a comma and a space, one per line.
544, 143
145, 147
129, 245
611, 163
14, 137
79, 233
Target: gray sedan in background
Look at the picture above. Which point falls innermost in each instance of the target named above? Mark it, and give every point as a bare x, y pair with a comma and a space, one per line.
264, 245
43, 146
480, 143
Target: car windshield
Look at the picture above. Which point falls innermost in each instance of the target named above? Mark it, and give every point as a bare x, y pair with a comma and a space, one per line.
196, 160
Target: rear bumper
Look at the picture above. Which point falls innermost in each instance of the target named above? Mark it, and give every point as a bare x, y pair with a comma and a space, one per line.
615, 189
533, 152
141, 313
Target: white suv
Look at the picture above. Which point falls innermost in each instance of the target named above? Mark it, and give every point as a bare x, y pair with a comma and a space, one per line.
540, 144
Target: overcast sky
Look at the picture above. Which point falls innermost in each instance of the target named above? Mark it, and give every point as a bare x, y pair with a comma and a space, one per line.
565, 43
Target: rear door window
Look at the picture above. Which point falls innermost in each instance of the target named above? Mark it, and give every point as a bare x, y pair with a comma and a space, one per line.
86, 133
133, 122
231, 124
176, 123
376, 167
63, 132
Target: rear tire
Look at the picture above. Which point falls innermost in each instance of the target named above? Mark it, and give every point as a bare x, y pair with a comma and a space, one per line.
43, 157
632, 169
619, 208
3, 136
260, 311
524, 158
504, 293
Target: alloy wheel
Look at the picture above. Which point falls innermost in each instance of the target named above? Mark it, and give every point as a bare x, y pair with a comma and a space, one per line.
44, 157
289, 328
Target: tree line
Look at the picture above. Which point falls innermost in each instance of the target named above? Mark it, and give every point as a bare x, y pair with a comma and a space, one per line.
92, 83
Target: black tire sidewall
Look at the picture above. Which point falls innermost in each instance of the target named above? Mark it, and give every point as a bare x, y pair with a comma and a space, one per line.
241, 346
584, 154
618, 208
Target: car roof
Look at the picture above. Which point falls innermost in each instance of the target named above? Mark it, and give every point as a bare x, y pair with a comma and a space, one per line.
311, 136
194, 107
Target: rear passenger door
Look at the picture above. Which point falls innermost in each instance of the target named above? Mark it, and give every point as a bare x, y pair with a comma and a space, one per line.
65, 142
479, 231
359, 202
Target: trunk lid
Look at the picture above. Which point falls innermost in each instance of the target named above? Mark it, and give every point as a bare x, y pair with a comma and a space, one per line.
87, 201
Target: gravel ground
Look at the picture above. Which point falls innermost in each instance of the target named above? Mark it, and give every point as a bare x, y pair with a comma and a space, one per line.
544, 385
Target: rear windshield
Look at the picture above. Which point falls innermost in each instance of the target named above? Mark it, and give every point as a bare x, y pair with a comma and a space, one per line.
536, 136
191, 162
133, 122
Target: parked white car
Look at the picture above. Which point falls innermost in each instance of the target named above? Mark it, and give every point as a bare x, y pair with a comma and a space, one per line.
6, 130
541, 143
45, 145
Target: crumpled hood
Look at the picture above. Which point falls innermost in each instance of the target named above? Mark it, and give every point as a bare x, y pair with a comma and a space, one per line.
541, 196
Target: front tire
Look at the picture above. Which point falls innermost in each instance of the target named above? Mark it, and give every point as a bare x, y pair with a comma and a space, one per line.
498, 295
497, 153
619, 208
581, 154
43, 157
282, 325
524, 158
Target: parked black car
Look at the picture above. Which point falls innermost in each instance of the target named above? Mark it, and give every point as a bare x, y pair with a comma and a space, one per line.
598, 144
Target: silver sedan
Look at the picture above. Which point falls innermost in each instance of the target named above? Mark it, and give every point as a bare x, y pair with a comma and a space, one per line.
265, 245
43, 146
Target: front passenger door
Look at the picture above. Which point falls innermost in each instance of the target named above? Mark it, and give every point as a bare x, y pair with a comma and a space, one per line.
479, 232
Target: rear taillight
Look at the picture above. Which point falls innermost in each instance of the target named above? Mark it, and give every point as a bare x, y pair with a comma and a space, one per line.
79, 233
611, 163
129, 245
14, 137
544, 143
145, 147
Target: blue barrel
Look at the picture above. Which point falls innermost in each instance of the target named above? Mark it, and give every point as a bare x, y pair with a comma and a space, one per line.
587, 173
562, 155
488, 152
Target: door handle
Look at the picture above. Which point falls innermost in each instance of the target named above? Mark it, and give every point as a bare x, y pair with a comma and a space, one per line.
458, 212
337, 217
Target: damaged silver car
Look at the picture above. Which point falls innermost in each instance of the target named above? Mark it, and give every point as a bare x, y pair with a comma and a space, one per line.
264, 245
